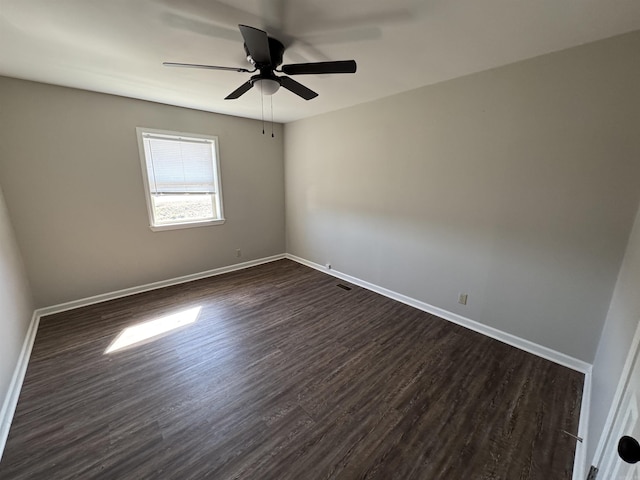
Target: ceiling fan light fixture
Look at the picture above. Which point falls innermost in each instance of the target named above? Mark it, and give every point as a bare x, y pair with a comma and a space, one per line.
267, 86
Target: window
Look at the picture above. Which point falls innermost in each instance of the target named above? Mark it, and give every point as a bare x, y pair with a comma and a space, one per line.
181, 178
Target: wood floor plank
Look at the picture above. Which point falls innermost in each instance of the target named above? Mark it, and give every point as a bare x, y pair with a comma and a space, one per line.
285, 376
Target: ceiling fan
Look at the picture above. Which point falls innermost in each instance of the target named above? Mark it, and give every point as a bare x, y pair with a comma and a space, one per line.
265, 53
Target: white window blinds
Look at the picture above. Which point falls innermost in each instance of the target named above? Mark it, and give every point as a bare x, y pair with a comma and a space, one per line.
178, 165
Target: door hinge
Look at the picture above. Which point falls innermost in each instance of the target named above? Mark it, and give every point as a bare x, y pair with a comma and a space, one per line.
593, 473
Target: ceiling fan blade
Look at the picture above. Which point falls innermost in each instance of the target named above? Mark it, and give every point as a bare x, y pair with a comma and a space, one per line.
257, 43
238, 92
297, 88
208, 67
342, 66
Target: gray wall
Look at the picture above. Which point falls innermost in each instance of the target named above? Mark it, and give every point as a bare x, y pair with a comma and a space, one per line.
517, 185
619, 328
16, 306
71, 175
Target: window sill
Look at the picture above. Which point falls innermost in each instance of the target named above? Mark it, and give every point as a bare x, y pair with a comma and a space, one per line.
177, 226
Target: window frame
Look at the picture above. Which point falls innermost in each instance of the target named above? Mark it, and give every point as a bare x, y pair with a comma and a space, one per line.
213, 140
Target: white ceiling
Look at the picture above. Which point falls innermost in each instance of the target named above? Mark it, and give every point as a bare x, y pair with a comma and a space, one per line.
118, 46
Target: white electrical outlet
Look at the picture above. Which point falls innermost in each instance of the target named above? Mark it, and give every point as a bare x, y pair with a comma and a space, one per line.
238, 253
462, 298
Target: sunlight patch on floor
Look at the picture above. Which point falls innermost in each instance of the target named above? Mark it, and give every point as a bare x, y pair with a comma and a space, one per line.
152, 328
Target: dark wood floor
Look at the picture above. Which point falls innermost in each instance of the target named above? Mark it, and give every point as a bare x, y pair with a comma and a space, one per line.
286, 376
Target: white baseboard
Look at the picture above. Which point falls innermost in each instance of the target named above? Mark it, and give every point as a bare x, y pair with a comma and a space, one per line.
580, 467
83, 302
509, 339
580, 457
11, 399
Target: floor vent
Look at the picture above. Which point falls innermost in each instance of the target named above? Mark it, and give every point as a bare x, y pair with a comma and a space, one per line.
344, 287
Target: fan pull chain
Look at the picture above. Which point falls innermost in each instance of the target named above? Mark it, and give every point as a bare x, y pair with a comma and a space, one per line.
262, 104
272, 116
